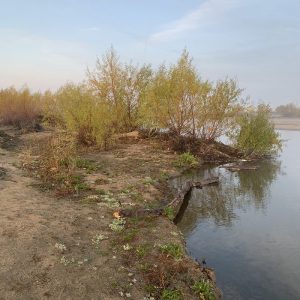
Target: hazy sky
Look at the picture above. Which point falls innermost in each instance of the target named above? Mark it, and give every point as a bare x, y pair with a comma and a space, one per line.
45, 43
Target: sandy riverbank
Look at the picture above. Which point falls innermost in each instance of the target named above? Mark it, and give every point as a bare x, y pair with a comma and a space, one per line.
287, 123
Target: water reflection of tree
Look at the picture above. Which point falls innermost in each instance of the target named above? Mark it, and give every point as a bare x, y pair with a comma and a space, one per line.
256, 184
239, 190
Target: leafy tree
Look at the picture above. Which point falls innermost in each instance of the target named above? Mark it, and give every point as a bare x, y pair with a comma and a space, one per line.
178, 100
172, 98
217, 107
121, 86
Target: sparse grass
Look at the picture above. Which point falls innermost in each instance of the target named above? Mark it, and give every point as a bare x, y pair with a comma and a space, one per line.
204, 289
82, 186
98, 238
100, 181
186, 160
142, 250
148, 181
118, 225
130, 234
86, 164
172, 250
169, 212
168, 294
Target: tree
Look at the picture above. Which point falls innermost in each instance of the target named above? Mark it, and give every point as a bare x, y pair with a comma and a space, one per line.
256, 133
171, 98
178, 100
90, 119
121, 86
217, 107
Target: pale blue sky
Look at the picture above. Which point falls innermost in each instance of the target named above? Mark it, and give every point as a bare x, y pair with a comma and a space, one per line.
45, 43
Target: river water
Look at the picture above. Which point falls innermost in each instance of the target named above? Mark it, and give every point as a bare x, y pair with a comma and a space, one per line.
248, 227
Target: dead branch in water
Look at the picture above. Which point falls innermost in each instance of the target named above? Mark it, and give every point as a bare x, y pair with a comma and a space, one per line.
239, 167
175, 204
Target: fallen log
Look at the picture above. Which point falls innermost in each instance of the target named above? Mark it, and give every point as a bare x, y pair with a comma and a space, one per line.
239, 167
175, 204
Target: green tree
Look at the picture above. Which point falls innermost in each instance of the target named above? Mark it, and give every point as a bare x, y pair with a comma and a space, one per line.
172, 98
256, 133
121, 86
219, 104
178, 100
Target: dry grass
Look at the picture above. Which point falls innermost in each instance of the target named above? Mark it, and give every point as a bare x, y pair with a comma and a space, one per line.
54, 161
19, 108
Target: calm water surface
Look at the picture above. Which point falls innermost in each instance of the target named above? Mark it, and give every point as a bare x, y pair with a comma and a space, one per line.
248, 227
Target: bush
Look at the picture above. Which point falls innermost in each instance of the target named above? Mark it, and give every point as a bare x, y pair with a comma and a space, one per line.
56, 162
186, 160
85, 115
256, 134
20, 108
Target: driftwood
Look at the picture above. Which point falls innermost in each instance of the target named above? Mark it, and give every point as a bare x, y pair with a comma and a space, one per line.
239, 167
175, 204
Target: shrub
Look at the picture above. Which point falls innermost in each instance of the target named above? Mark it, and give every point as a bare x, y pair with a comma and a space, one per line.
88, 117
55, 164
186, 160
20, 108
256, 133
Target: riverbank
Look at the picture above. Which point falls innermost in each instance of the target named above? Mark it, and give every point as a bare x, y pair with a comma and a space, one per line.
57, 246
286, 123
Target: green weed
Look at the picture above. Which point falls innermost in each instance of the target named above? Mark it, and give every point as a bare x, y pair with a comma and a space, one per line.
168, 294
186, 160
173, 250
204, 289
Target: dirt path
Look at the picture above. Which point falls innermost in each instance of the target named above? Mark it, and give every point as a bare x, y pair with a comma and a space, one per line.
33, 226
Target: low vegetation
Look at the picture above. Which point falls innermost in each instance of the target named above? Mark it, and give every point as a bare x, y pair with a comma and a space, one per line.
204, 289
186, 160
168, 294
172, 250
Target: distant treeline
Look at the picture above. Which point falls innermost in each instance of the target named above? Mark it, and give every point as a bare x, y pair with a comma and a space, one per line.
289, 110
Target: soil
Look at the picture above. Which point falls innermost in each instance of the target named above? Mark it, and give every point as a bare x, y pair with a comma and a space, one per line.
64, 248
